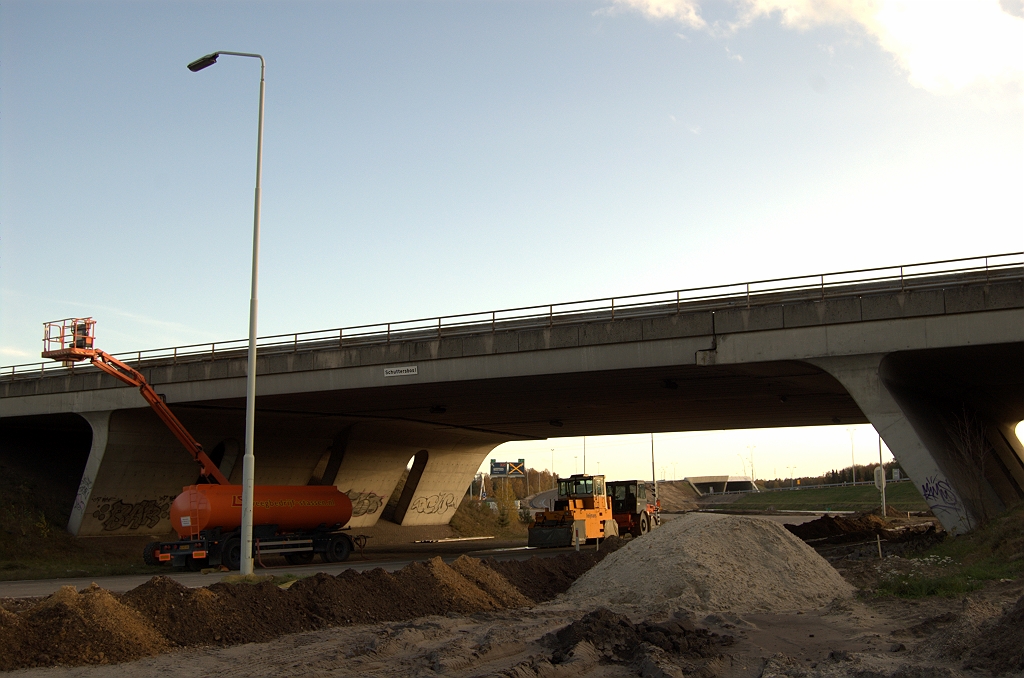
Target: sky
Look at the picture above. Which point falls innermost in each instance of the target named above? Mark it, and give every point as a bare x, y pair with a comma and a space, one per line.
436, 157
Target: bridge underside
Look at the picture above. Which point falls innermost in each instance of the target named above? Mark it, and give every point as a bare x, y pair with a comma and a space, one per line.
362, 440
679, 398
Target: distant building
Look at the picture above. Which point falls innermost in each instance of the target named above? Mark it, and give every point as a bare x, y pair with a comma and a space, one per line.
719, 484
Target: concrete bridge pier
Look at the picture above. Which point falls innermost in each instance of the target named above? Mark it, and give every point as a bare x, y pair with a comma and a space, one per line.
948, 417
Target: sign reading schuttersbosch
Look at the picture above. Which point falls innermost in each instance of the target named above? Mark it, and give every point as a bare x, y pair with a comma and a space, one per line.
508, 469
402, 371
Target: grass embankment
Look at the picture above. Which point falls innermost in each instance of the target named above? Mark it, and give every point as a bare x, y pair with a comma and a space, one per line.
963, 563
38, 481
900, 496
476, 519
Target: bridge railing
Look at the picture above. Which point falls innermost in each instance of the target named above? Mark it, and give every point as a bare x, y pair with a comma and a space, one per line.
919, 276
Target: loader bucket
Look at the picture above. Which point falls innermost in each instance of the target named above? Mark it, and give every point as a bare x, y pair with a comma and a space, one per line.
550, 537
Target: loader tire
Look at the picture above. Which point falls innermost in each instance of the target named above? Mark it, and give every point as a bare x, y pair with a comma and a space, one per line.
149, 553
645, 525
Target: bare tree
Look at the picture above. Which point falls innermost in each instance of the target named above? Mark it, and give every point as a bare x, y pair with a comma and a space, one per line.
968, 452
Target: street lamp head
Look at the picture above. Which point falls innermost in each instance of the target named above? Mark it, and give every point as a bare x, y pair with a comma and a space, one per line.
203, 62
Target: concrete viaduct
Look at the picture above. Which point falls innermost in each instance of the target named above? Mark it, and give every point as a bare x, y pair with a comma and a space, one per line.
931, 355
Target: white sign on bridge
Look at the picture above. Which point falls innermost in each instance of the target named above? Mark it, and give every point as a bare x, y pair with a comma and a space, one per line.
401, 371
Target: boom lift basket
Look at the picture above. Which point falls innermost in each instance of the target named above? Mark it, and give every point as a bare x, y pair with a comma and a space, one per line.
69, 340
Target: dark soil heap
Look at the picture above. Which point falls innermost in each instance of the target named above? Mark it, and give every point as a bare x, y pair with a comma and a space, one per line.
541, 579
841, 530
999, 648
620, 640
91, 627
95, 626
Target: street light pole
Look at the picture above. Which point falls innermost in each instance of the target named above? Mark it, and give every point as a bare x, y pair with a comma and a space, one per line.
248, 460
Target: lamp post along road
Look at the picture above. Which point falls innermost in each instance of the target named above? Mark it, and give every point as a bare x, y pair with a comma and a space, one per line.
248, 460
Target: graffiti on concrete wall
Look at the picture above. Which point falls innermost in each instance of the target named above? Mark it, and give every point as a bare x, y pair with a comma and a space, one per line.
84, 490
941, 497
434, 504
364, 503
115, 514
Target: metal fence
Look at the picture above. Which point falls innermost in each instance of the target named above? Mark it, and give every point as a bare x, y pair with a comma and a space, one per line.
821, 286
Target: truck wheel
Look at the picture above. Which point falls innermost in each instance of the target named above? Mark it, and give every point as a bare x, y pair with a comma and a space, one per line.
302, 558
149, 553
645, 525
231, 553
338, 549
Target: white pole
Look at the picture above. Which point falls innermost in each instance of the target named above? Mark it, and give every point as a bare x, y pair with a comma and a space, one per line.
248, 460
853, 463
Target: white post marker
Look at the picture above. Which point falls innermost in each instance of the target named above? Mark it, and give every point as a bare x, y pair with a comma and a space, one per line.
248, 460
880, 476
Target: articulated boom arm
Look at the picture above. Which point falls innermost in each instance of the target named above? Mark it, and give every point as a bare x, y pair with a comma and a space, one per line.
128, 375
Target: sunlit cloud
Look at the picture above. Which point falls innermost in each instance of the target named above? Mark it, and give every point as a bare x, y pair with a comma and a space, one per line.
944, 46
686, 12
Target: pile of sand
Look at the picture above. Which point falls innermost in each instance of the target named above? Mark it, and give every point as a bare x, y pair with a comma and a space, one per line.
710, 563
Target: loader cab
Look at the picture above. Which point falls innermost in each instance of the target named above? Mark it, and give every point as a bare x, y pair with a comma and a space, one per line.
581, 492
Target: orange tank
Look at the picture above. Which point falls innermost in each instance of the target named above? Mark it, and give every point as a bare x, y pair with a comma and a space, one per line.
290, 507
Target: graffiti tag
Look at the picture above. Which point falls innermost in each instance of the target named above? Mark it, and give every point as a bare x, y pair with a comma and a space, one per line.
364, 503
435, 503
941, 497
83, 493
115, 514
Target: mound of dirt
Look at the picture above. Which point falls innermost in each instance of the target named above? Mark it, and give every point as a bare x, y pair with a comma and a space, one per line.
96, 627
677, 496
999, 646
489, 581
91, 627
711, 563
864, 527
181, 614
620, 640
541, 579
851, 529
435, 588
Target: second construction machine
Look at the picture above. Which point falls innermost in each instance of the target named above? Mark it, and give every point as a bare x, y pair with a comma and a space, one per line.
582, 513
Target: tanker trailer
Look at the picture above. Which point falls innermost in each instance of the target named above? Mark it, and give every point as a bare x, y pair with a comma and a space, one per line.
296, 522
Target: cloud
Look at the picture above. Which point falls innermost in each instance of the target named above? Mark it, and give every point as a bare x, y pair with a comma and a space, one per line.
944, 46
686, 12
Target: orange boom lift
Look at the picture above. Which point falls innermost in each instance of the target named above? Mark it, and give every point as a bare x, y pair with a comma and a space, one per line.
306, 518
71, 341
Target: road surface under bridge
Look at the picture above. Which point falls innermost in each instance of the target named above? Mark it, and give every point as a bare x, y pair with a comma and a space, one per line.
932, 355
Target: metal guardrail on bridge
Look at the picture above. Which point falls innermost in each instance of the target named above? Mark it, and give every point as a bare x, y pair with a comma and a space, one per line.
920, 276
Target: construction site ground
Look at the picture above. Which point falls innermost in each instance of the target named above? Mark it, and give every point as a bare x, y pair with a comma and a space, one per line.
566, 615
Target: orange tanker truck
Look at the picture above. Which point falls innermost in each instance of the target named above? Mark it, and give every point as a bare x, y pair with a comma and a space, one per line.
296, 522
